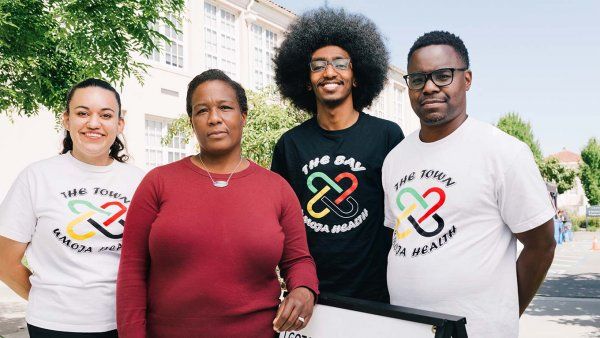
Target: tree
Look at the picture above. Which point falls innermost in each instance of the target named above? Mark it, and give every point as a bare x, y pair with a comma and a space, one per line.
553, 171
513, 125
590, 171
550, 168
46, 46
269, 117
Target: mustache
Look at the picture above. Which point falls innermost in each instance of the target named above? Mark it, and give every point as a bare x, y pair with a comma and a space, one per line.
442, 98
329, 81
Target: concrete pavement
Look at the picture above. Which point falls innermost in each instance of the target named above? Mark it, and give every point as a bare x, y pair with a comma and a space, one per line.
12, 314
567, 304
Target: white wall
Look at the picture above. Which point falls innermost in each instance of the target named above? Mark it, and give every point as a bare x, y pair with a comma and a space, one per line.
163, 92
23, 141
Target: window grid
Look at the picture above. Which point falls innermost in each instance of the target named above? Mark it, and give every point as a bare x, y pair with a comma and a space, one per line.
220, 39
156, 153
264, 42
378, 107
174, 49
172, 53
399, 105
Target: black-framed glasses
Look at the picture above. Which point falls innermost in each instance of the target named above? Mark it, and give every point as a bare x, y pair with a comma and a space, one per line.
321, 65
440, 77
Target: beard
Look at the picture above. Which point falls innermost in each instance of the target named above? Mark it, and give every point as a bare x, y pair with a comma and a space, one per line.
332, 103
433, 119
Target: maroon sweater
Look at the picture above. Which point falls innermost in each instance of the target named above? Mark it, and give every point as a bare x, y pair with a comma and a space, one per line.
199, 261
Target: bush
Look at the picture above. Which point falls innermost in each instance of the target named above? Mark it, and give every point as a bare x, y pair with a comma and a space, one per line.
579, 223
269, 116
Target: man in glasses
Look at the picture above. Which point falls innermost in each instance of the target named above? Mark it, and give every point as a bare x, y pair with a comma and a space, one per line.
458, 194
333, 64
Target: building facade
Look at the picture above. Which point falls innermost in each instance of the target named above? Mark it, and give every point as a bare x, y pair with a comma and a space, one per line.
574, 200
238, 36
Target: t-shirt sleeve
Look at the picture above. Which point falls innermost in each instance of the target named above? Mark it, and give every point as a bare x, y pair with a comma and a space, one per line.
389, 219
395, 136
17, 214
522, 195
135, 258
278, 164
297, 266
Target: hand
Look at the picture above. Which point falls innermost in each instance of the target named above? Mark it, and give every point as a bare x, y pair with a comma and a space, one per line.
298, 304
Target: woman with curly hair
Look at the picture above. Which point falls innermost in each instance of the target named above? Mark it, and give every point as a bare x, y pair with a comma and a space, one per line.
333, 64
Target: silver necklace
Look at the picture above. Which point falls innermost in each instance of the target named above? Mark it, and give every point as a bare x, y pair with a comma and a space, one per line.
219, 184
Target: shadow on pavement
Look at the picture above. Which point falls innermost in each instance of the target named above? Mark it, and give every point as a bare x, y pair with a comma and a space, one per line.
570, 300
569, 312
584, 285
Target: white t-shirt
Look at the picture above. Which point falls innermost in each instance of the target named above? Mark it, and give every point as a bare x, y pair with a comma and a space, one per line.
72, 215
455, 205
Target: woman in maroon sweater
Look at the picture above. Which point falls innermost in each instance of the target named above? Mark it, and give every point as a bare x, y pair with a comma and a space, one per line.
204, 235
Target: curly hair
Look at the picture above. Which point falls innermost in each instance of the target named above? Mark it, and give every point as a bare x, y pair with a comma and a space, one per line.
322, 27
441, 38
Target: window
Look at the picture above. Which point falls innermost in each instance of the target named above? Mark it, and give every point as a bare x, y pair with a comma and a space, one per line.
264, 42
156, 153
220, 39
155, 53
399, 105
172, 53
378, 106
174, 49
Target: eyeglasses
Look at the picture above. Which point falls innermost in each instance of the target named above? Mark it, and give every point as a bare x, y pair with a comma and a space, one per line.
440, 77
321, 65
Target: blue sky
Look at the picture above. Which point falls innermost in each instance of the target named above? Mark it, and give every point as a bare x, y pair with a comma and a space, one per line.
540, 59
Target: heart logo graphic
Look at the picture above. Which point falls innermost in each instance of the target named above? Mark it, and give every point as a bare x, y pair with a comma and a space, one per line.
348, 191
429, 211
344, 205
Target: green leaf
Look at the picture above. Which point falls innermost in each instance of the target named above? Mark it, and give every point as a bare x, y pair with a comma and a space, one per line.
269, 117
48, 46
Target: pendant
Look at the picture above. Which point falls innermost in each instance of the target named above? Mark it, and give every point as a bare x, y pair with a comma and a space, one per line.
220, 184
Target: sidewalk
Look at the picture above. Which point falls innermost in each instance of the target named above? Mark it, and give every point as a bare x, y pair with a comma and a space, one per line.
568, 302
12, 314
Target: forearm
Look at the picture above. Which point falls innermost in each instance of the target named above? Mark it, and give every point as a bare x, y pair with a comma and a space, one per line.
16, 277
532, 265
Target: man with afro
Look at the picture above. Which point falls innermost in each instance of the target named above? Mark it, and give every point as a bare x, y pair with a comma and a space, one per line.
458, 194
333, 64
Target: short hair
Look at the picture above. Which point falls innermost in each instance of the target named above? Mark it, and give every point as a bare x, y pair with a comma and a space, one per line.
118, 146
441, 38
213, 75
322, 27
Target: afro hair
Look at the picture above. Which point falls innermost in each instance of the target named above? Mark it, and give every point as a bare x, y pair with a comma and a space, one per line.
325, 26
441, 38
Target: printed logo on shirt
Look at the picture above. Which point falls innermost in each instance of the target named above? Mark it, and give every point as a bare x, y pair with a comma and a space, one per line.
344, 205
332, 208
86, 211
419, 215
91, 221
408, 210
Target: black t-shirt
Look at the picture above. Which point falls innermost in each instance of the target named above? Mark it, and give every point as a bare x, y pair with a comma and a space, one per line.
337, 178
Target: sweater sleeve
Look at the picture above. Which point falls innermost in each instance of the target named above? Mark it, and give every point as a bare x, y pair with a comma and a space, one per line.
135, 259
297, 266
